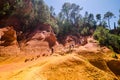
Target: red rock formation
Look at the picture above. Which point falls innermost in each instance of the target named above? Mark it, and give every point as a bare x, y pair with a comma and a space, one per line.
8, 41
72, 39
8, 36
41, 40
44, 32
51, 39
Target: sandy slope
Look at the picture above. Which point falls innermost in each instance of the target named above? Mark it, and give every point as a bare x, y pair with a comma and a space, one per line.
68, 67
83, 63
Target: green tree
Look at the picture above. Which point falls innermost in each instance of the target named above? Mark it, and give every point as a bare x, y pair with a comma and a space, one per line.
90, 17
75, 15
119, 22
101, 34
41, 11
98, 17
91, 20
119, 19
66, 10
52, 11
69, 17
105, 38
104, 23
86, 17
119, 14
61, 17
6, 8
108, 15
25, 12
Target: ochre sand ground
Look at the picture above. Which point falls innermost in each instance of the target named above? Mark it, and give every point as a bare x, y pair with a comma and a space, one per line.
83, 63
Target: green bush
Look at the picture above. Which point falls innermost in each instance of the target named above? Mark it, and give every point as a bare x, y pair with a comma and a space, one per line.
105, 38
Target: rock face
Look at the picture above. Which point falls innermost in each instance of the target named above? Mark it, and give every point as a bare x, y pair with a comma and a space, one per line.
51, 39
73, 39
40, 41
8, 36
8, 41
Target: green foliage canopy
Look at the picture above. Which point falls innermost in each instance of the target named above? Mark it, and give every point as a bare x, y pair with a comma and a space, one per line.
105, 38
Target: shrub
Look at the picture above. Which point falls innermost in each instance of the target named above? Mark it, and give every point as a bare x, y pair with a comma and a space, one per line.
105, 38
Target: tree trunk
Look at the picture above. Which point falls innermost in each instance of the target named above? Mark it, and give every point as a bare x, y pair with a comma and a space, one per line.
109, 24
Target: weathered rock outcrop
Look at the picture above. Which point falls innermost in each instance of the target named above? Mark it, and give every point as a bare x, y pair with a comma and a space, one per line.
8, 41
51, 39
40, 41
73, 39
8, 36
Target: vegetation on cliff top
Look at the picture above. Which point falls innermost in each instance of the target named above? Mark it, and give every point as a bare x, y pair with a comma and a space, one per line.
68, 21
